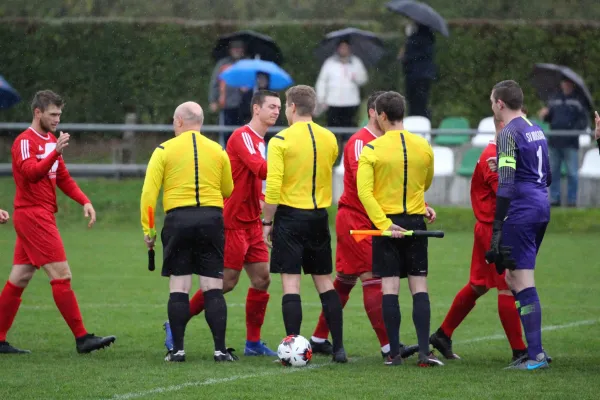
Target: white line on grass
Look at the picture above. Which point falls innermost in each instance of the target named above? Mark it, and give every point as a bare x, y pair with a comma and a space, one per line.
174, 388
213, 381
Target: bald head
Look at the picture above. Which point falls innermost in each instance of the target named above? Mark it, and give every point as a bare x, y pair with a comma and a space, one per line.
187, 117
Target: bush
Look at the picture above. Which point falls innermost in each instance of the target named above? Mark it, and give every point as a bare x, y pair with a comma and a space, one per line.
103, 67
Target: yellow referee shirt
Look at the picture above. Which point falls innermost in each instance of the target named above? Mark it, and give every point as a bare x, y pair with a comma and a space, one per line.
300, 166
194, 171
394, 172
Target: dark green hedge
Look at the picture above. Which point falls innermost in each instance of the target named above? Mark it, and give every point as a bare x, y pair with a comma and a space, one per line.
103, 67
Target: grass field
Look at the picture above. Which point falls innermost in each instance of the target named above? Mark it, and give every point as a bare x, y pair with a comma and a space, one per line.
119, 296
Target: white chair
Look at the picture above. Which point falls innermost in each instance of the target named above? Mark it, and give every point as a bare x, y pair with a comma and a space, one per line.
589, 182
485, 132
418, 125
443, 165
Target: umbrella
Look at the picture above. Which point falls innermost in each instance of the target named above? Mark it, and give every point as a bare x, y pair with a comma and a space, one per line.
420, 13
8, 96
365, 45
546, 79
256, 44
243, 74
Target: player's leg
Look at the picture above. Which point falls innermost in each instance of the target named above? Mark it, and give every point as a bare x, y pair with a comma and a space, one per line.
178, 310
10, 297
257, 300
372, 299
525, 240
291, 305
511, 322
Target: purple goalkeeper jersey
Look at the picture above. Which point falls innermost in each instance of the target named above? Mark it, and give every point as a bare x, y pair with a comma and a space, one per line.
524, 176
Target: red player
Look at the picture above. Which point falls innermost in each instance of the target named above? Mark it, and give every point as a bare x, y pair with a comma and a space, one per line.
354, 260
38, 167
483, 276
244, 244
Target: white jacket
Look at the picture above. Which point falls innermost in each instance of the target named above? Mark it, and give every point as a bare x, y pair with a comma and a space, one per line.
338, 83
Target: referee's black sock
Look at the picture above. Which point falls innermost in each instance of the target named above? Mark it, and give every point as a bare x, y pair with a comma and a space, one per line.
292, 313
421, 319
215, 312
332, 310
391, 318
178, 310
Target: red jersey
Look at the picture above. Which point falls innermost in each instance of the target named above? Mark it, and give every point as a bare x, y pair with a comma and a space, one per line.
246, 150
484, 185
349, 197
38, 169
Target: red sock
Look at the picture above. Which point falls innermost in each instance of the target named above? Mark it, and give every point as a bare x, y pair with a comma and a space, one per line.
197, 303
10, 300
511, 322
342, 286
372, 298
256, 306
461, 306
65, 300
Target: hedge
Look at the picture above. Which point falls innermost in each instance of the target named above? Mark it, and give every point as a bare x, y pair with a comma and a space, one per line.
103, 67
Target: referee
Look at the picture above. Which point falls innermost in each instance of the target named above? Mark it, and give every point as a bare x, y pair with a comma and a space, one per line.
394, 171
196, 175
298, 192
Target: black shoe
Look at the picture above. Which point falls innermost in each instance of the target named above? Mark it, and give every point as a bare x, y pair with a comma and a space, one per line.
393, 361
91, 342
6, 348
443, 344
520, 355
322, 348
340, 356
429, 360
175, 357
227, 356
405, 351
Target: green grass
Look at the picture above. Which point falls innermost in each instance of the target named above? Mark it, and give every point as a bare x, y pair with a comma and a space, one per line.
119, 296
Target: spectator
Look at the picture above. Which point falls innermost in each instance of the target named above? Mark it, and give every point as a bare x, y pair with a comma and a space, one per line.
223, 98
419, 68
565, 111
262, 83
338, 86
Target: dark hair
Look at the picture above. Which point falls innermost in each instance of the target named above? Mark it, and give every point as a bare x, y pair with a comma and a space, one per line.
304, 97
524, 110
510, 93
392, 104
45, 98
259, 97
372, 98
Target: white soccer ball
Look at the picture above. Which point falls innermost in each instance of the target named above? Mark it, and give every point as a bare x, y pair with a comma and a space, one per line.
294, 351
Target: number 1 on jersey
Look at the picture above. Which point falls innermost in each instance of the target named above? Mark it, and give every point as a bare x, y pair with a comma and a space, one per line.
539, 155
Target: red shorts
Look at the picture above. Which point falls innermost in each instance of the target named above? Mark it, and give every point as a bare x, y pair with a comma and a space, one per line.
38, 240
245, 246
352, 258
483, 274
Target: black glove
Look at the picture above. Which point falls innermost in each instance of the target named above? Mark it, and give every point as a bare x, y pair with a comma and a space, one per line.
502, 260
494, 251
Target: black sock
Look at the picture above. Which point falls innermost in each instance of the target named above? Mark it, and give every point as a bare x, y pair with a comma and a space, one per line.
178, 310
332, 309
292, 313
215, 312
391, 319
421, 319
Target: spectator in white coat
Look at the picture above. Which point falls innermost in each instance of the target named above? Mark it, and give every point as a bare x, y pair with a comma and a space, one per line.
338, 86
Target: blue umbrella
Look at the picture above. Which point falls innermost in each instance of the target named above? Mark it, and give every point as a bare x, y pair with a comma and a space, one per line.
8, 96
243, 74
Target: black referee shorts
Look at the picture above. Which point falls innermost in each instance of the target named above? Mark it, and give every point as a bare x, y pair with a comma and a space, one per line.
401, 257
193, 240
301, 242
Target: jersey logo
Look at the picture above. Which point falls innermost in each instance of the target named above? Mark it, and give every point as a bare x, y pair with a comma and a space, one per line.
41, 148
47, 150
262, 150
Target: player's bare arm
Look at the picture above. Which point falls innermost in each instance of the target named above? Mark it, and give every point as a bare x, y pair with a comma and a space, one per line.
597, 131
4, 217
89, 212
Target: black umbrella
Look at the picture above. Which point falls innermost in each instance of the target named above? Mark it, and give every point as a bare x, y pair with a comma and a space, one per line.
256, 44
420, 13
546, 80
365, 45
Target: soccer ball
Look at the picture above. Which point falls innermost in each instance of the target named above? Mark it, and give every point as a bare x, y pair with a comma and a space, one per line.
294, 351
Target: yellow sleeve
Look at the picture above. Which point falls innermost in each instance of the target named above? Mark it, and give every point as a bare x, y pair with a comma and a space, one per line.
365, 180
275, 169
226, 177
336, 150
152, 184
430, 170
